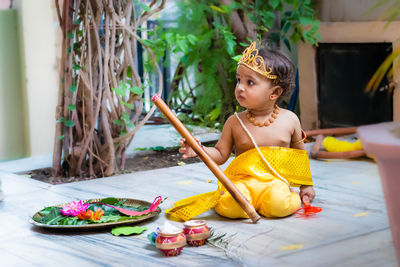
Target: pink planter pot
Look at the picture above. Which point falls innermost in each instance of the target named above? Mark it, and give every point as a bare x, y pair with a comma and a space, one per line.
170, 244
382, 141
197, 232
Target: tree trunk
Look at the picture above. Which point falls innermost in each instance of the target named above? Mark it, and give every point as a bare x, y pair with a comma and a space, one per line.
98, 103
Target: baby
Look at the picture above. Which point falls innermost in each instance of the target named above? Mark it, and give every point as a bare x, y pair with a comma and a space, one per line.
267, 140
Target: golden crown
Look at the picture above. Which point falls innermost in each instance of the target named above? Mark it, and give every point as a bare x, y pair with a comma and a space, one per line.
252, 60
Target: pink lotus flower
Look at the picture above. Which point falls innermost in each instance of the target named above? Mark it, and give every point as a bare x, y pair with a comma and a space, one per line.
74, 208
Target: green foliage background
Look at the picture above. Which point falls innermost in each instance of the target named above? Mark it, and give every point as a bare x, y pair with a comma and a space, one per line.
205, 45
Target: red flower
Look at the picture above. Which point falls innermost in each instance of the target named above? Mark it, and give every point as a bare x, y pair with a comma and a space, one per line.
98, 214
90, 215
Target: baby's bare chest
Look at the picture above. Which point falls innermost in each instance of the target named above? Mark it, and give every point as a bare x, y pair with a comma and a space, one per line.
279, 135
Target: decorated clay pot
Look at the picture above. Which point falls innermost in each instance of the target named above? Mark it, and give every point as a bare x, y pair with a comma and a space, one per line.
171, 244
196, 232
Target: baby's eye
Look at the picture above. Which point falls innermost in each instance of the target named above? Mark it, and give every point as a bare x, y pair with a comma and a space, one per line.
250, 82
237, 80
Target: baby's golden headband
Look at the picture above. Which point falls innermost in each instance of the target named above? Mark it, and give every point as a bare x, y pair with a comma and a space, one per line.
252, 60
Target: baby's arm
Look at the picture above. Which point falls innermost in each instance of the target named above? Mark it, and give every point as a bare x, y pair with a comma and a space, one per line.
297, 138
220, 153
307, 192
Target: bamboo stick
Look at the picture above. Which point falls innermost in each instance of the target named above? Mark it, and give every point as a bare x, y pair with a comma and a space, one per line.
214, 168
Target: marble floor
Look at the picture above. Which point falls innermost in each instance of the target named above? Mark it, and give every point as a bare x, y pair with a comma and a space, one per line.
352, 229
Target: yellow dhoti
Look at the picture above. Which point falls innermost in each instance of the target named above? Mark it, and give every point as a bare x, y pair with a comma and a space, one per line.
270, 196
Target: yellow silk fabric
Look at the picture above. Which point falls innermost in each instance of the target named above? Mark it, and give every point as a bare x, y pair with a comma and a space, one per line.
256, 182
331, 144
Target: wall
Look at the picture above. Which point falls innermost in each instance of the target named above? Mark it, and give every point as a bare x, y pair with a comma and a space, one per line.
349, 10
41, 41
13, 142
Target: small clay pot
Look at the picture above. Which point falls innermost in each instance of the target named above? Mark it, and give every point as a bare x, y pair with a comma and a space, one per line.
171, 244
197, 232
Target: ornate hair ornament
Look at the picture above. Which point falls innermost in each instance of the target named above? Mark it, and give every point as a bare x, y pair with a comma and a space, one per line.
252, 60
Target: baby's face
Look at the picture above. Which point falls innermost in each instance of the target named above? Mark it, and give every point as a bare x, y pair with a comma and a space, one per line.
252, 90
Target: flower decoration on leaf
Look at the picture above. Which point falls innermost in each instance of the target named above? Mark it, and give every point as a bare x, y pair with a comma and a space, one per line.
91, 215
95, 212
74, 208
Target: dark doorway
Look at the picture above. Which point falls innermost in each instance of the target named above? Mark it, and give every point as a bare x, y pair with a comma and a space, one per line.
343, 72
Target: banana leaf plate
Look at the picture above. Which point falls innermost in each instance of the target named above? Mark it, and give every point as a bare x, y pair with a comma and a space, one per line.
128, 203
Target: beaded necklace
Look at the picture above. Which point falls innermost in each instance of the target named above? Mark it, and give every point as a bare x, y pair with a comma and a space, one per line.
266, 123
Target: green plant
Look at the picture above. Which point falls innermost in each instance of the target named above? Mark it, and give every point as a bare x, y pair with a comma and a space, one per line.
390, 14
209, 34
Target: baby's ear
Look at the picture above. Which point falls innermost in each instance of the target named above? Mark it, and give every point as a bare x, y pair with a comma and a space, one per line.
277, 90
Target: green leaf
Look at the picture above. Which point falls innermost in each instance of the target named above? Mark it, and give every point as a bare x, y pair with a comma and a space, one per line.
307, 21
270, 15
130, 125
287, 43
148, 42
231, 46
112, 218
118, 122
70, 35
62, 119
125, 117
61, 137
144, 7
274, 3
184, 59
123, 85
157, 148
109, 200
76, 67
129, 72
120, 91
69, 123
295, 37
72, 88
52, 215
182, 44
286, 27
127, 104
128, 230
136, 90
72, 221
76, 47
217, 9
192, 39
71, 107
237, 58
214, 114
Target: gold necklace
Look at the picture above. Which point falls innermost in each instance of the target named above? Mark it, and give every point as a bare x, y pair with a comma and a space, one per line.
266, 123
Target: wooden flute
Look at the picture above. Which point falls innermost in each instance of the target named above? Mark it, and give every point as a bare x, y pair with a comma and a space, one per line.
214, 168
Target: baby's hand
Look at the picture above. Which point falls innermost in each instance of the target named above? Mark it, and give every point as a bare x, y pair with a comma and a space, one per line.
307, 193
186, 150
